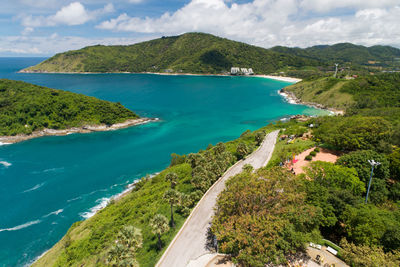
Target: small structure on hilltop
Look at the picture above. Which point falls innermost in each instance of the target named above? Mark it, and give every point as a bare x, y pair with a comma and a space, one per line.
241, 71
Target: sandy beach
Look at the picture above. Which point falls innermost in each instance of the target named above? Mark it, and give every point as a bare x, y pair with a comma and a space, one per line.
280, 78
83, 129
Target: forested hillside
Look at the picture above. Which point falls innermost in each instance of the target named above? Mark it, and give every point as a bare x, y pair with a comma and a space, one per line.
25, 108
347, 52
187, 53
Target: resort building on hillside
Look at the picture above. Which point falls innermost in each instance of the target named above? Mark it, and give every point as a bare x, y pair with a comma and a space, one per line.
241, 71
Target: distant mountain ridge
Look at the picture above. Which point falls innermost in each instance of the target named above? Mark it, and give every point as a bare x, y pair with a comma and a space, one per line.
344, 52
205, 53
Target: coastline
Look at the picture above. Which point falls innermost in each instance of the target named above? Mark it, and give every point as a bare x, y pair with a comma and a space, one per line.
292, 99
278, 78
5, 140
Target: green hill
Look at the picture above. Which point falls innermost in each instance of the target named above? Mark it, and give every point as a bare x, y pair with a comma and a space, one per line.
25, 108
187, 53
346, 52
370, 95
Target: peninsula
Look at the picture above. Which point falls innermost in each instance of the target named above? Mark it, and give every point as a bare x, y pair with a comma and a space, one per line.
28, 111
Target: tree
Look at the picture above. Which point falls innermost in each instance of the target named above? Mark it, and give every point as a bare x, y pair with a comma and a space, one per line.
394, 159
173, 198
259, 137
242, 150
331, 175
359, 161
262, 217
368, 256
159, 226
367, 224
172, 178
220, 148
353, 133
201, 182
123, 253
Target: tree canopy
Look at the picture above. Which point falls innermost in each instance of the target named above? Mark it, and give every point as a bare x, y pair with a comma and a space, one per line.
25, 108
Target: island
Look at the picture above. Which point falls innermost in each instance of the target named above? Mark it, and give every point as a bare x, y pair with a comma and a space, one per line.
28, 111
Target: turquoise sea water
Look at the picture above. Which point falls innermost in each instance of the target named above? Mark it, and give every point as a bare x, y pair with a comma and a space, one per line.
48, 183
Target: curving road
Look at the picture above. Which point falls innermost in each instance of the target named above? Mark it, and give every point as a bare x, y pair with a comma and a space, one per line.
191, 241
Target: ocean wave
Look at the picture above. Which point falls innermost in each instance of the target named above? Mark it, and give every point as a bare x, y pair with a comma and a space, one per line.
102, 204
5, 163
3, 144
22, 226
73, 199
34, 188
287, 97
53, 213
49, 170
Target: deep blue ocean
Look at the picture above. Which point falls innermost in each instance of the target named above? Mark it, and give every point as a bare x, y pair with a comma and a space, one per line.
48, 183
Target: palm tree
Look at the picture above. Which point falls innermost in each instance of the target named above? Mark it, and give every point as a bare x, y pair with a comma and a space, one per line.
242, 150
173, 178
123, 252
159, 226
173, 198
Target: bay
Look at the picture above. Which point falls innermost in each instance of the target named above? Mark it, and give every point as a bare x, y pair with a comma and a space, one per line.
46, 184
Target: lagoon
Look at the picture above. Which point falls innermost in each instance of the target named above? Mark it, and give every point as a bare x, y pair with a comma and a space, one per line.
48, 183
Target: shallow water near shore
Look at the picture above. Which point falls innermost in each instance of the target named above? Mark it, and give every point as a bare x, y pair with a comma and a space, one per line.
48, 183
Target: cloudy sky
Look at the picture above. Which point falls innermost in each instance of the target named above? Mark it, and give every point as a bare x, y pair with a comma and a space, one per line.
46, 27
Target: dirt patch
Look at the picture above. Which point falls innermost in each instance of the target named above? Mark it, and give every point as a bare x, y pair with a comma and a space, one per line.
324, 155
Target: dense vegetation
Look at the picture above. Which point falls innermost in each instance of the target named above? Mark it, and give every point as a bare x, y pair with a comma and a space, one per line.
264, 217
346, 52
205, 53
255, 223
25, 108
177, 189
368, 94
188, 53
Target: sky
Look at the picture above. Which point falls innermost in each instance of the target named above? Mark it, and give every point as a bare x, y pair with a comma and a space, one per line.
46, 27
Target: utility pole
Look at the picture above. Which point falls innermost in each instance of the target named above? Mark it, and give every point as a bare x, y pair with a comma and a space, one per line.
373, 163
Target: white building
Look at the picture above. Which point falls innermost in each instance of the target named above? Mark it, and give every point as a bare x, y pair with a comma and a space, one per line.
235, 70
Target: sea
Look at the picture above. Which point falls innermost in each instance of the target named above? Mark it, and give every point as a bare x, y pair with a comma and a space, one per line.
48, 183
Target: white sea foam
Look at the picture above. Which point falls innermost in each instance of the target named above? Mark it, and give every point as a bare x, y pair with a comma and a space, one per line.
102, 204
22, 226
3, 144
287, 98
5, 163
54, 213
49, 170
34, 188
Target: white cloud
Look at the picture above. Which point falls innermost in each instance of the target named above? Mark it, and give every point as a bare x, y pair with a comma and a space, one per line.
275, 22
27, 30
135, 1
327, 5
49, 45
73, 14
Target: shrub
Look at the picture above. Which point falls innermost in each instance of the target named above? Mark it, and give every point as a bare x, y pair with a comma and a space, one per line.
308, 158
313, 153
317, 149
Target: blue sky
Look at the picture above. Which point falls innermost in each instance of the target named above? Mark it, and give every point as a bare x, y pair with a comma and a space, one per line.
46, 27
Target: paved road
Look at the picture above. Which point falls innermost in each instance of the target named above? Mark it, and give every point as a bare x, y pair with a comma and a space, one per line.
190, 242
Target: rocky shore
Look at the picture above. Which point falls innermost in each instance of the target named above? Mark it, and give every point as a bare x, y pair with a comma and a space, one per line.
83, 129
292, 99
